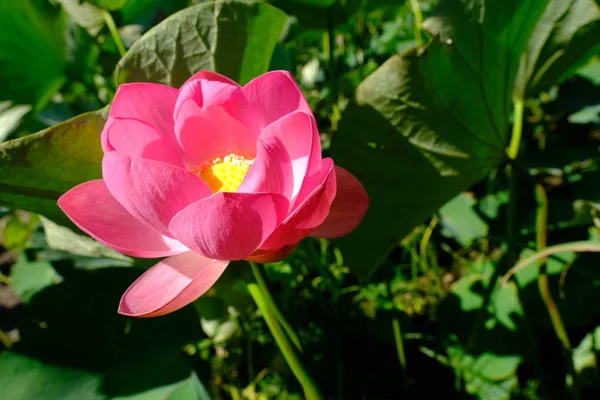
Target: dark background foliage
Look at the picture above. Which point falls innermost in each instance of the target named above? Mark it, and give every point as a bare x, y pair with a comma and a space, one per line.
420, 101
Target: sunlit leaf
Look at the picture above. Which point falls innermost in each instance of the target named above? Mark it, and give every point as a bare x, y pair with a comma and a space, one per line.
460, 221
585, 355
10, 117
564, 38
85, 14
429, 123
37, 169
29, 277
235, 38
64, 239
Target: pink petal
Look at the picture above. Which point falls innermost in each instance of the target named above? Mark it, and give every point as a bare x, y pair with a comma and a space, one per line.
209, 89
229, 226
211, 76
137, 139
348, 208
271, 171
308, 215
297, 131
149, 102
152, 191
211, 132
205, 93
170, 285
92, 208
274, 95
314, 174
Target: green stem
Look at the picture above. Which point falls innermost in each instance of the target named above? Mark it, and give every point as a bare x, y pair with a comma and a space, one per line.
416, 10
513, 153
515, 139
423, 252
5, 340
311, 391
512, 225
258, 275
400, 349
114, 32
541, 237
4, 279
584, 246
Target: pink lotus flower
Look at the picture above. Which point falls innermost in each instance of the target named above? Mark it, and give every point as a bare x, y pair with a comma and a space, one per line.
209, 173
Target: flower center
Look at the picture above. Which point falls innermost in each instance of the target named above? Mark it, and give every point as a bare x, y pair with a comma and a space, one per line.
224, 174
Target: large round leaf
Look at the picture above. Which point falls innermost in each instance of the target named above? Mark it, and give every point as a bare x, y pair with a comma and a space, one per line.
431, 122
37, 169
235, 38
75, 346
26, 378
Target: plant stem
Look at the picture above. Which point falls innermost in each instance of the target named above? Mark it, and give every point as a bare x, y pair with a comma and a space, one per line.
423, 251
583, 246
4, 279
258, 275
515, 139
512, 230
512, 225
416, 10
400, 349
5, 340
541, 238
513, 152
311, 391
114, 32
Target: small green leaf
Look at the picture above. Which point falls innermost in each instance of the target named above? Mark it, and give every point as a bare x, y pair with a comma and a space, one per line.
37, 169
29, 277
429, 123
85, 15
111, 5
234, 38
584, 355
18, 229
10, 117
586, 115
488, 375
460, 221
564, 38
574, 281
64, 239
591, 71
487, 346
